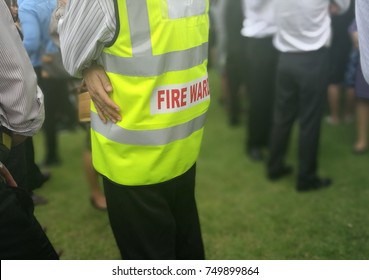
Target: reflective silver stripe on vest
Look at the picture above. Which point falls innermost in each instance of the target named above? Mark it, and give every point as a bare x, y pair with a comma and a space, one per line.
155, 65
143, 63
153, 137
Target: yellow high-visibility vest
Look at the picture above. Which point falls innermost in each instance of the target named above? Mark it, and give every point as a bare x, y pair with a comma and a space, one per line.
157, 65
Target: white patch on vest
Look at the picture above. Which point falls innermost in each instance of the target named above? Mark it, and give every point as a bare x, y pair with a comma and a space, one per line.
185, 8
175, 98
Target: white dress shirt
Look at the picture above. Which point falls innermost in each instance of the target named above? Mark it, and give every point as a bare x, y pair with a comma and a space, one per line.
86, 27
259, 19
21, 101
304, 25
362, 20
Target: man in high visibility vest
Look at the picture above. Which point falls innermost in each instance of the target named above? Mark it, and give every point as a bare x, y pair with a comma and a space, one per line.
145, 66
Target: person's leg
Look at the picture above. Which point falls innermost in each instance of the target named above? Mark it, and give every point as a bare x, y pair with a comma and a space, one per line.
17, 166
262, 58
313, 86
349, 104
67, 113
234, 82
21, 236
51, 92
189, 244
144, 222
35, 178
333, 102
285, 112
141, 221
97, 197
362, 115
349, 83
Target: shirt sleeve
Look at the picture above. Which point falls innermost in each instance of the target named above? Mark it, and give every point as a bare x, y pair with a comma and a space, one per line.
21, 100
362, 20
84, 30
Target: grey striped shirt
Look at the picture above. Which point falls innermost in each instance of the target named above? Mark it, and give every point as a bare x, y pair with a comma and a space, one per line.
362, 19
21, 101
85, 28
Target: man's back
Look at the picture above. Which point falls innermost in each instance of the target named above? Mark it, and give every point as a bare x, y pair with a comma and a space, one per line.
304, 25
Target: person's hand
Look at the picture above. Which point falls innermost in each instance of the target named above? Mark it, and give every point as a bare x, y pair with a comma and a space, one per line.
355, 39
62, 2
6, 176
99, 87
334, 9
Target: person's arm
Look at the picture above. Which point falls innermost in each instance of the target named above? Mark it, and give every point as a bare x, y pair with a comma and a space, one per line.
80, 52
339, 6
21, 101
362, 20
6, 176
84, 30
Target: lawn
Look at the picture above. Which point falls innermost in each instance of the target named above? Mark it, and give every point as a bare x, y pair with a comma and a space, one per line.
243, 215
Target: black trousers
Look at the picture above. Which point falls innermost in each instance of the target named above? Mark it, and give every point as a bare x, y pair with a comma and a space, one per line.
261, 60
17, 166
22, 166
300, 93
56, 106
235, 79
21, 236
158, 221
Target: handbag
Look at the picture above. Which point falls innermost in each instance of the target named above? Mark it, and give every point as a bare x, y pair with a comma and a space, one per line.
84, 101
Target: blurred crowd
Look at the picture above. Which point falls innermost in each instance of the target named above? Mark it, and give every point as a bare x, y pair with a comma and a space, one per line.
287, 61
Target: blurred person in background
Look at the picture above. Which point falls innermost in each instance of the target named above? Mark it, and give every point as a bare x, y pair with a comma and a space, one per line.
13, 7
146, 129
58, 108
362, 101
217, 20
362, 19
260, 59
97, 198
22, 114
303, 37
34, 17
338, 60
234, 65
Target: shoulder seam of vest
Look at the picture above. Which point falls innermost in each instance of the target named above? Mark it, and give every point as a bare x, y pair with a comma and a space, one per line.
117, 25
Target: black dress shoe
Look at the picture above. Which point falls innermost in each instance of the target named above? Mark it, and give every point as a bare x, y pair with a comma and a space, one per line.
255, 154
282, 172
313, 184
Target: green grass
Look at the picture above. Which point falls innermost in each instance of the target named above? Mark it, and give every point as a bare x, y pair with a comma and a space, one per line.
243, 215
